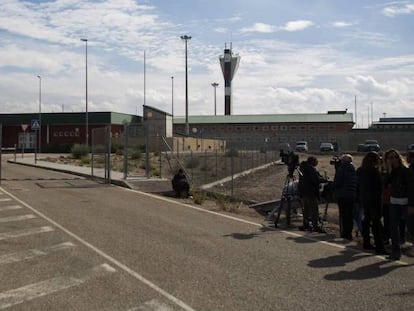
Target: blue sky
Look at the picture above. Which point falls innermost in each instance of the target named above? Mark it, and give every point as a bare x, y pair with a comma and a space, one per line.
297, 56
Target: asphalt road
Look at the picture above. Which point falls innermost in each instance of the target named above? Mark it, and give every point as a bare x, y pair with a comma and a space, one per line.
67, 243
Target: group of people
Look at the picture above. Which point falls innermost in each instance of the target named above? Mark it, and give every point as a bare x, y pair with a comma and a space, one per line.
378, 196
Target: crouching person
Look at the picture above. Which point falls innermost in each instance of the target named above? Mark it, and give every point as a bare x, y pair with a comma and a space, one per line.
180, 184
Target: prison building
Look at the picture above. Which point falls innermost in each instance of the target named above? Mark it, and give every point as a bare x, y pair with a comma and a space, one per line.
249, 131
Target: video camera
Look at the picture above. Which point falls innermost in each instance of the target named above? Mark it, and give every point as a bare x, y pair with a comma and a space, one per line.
335, 161
291, 159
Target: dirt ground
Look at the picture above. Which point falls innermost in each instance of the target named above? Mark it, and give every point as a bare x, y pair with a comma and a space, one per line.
267, 184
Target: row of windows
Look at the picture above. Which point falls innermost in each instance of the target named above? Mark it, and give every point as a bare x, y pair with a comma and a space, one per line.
266, 128
401, 126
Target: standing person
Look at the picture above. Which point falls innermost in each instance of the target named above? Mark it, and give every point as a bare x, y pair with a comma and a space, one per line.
410, 210
370, 192
386, 194
345, 186
308, 187
398, 179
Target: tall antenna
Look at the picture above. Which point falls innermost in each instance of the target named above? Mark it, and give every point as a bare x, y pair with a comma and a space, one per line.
356, 115
145, 78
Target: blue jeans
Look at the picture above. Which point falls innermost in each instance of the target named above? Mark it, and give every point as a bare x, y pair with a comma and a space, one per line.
398, 213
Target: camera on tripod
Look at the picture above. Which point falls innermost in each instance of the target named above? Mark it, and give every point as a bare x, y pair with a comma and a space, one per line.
290, 159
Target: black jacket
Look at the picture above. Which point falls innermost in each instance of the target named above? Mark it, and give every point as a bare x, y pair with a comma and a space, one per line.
309, 180
369, 185
411, 186
345, 181
399, 179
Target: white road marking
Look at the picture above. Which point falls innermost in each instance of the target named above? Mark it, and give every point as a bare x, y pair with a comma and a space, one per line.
152, 305
32, 253
9, 207
17, 218
5, 199
120, 265
36, 290
20, 233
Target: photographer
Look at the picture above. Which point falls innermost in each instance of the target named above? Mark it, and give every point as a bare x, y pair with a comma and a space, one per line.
291, 160
309, 182
345, 185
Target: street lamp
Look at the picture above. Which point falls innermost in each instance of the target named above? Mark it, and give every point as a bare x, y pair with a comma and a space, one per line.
86, 91
172, 96
40, 114
187, 128
215, 85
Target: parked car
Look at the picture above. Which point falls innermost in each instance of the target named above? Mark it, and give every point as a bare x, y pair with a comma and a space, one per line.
410, 147
301, 146
369, 145
326, 147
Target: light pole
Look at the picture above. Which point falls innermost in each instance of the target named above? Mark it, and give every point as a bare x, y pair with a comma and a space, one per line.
215, 85
86, 92
40, 113
187, 128
172, 96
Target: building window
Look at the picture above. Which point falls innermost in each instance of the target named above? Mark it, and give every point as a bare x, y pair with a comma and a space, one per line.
274, 127
265, 128
283, 128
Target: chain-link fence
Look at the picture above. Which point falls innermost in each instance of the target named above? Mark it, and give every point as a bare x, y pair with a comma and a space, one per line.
204, 161
101, 153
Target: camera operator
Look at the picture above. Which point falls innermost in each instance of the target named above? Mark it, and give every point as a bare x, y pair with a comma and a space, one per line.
291, 159
345, 185
309, 182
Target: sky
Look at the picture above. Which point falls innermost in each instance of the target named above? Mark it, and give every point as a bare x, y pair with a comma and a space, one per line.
296, 56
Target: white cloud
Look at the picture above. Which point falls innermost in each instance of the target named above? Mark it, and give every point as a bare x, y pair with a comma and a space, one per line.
368, 85
289, 26
260, 27
342, 24
297, 25
392, 11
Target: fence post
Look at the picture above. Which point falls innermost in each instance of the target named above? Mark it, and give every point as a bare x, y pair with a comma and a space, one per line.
92, 144
126, 132
147, 164
109, 142
192, 164
232, 173
205, 166
160, 151
216, 164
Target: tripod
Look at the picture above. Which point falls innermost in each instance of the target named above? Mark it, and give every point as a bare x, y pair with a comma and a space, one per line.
289, 196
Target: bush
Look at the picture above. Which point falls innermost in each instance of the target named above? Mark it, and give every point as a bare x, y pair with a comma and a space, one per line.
85, 160
136, 154
198, 197
78, 151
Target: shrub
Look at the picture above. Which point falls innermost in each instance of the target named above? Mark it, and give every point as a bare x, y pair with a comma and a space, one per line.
198, 197
85, 160
78, 151
136, 154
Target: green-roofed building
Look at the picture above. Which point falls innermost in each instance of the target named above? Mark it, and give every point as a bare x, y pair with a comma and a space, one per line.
271, 129
58, 129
